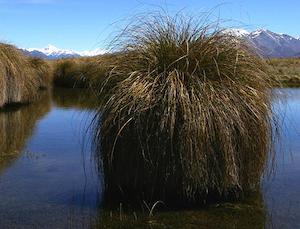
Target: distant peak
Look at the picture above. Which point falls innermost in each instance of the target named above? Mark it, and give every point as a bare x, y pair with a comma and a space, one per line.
94, 52
52, 51
260, 31
49, 46
237, 32
273, 35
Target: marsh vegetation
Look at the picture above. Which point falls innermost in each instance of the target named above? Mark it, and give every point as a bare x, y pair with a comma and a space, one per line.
182, 121
190, 120
82, 72
52, 183
20, 79
286, 71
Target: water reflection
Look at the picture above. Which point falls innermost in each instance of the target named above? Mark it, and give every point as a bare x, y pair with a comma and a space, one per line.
48, 178
247, 214
278, 205
49, 181
17, 125
281, 192
74, 98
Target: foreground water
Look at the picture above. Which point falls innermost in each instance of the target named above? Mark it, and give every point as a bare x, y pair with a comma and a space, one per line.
48, 178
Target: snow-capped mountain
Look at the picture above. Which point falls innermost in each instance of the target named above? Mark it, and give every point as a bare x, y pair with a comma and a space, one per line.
94, 52
270, 44
52, 52
275, 45
237, 32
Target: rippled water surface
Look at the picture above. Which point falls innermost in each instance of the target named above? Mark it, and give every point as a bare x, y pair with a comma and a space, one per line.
48, 178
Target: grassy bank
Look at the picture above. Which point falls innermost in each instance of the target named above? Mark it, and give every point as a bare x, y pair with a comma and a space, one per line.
93, 71
81, 72
190, 122
286, 71
20, 77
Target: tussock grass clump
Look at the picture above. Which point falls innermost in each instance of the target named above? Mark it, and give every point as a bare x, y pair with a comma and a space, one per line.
18, 81
81, 72
190, 122
67, 74
43, 71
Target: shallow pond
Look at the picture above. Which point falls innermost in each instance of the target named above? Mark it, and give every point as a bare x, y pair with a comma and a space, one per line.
48, 178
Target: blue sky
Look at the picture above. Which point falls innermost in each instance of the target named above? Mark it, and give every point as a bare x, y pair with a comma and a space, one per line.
86, 24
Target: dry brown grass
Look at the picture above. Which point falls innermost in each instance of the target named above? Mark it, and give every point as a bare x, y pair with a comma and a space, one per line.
43, 70
81, 72
286, 71
20, 78
190, 122
17, 82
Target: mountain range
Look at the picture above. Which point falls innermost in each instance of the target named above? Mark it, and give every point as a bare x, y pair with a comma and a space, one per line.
52, 52
268, 44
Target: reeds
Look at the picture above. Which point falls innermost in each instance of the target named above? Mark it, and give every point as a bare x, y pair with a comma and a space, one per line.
190, 122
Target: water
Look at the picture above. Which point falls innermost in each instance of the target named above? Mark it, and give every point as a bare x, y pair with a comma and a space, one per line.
48, 178
282, 191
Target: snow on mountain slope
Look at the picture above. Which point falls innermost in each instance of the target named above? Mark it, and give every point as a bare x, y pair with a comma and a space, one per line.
94, 52
52, 52
237, 32
268, 44
272, 44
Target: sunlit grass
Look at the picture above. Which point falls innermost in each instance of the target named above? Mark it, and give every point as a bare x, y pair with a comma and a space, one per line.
20, 78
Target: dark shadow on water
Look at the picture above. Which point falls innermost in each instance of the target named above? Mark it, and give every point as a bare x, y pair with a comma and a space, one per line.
277, 205
249, 213
74, 98
59, 190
